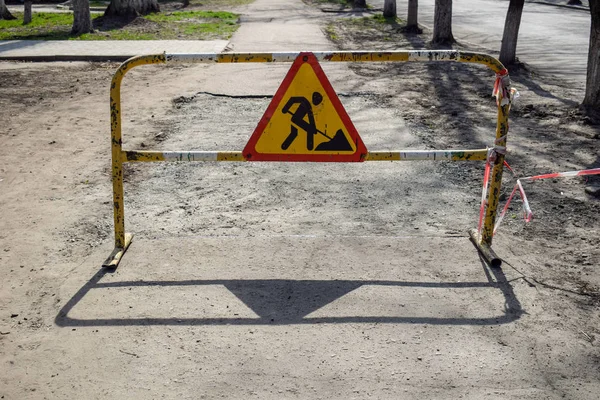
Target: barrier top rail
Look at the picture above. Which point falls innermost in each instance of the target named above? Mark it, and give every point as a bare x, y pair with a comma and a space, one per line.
331, 56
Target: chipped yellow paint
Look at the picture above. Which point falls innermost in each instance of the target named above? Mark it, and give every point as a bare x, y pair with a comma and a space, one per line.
113, 260
155, 156
142, 156
496, 177
121, 242
230, 156
485, 59
428, 155
366, 56
244, 58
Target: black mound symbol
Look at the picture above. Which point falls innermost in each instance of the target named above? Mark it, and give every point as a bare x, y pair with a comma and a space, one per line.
338, 143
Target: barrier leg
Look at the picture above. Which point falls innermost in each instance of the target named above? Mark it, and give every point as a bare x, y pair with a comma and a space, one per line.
485, 250
122, 239
484, 244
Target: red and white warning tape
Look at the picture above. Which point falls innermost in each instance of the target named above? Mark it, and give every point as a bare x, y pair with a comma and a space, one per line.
502, 90
504, 95
486, 181
527, 213
491, 157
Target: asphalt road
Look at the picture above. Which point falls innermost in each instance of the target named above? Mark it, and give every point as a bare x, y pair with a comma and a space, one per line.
552, 39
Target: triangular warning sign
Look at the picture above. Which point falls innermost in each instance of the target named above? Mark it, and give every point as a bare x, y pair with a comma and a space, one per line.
305, 121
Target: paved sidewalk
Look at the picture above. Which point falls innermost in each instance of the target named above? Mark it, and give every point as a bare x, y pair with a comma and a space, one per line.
293, 30
553, 40
50, 8
80, 50
562, 3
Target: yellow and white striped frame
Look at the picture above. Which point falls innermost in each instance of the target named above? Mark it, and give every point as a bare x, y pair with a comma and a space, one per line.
120, 156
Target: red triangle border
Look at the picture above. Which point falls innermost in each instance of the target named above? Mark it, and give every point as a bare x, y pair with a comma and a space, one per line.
251, 154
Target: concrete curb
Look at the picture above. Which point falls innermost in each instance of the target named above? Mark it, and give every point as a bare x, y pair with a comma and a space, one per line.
579, 8
70, 8
79, 58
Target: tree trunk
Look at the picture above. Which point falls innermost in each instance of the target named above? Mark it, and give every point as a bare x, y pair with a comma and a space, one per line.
412, 24
508, 50
442, 22
389, 8
132, 8
4, 13
592, 84
82, 20
27, 12
360, 3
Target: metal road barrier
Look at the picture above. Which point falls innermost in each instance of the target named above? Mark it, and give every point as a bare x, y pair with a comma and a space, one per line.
345, 146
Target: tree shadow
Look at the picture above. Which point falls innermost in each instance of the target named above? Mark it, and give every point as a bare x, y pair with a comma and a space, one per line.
104, 23
522, 74
594, 179
457, 108
60, 34
290, 302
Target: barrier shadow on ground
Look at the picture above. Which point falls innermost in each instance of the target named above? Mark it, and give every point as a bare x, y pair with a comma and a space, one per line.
17, 44
289, 302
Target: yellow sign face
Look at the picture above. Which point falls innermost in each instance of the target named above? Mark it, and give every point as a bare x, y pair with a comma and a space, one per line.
305, 121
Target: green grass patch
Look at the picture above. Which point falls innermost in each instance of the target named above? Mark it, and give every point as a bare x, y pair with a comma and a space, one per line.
99, 4
331, 32
115, 35
375, 20
43, 26
379, 18
194, 25
209, 4
39, 20
224, 16
341, 4
337, 2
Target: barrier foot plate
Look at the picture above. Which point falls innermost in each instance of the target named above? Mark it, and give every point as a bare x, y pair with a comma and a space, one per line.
115, 257
486, 251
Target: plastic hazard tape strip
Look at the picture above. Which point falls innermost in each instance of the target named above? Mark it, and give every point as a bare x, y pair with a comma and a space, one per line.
486, 181
503, 93
491, 157
527, 213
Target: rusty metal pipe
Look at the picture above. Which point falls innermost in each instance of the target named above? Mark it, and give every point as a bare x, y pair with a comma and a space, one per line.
490, 257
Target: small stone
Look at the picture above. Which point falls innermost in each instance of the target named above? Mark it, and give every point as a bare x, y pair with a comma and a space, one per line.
593, 190
14, 315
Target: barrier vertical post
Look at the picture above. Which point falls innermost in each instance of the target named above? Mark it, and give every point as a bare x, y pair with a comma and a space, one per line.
496, 177
122, 239
484, 243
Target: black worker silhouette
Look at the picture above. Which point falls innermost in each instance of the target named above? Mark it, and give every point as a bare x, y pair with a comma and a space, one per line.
299, 120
